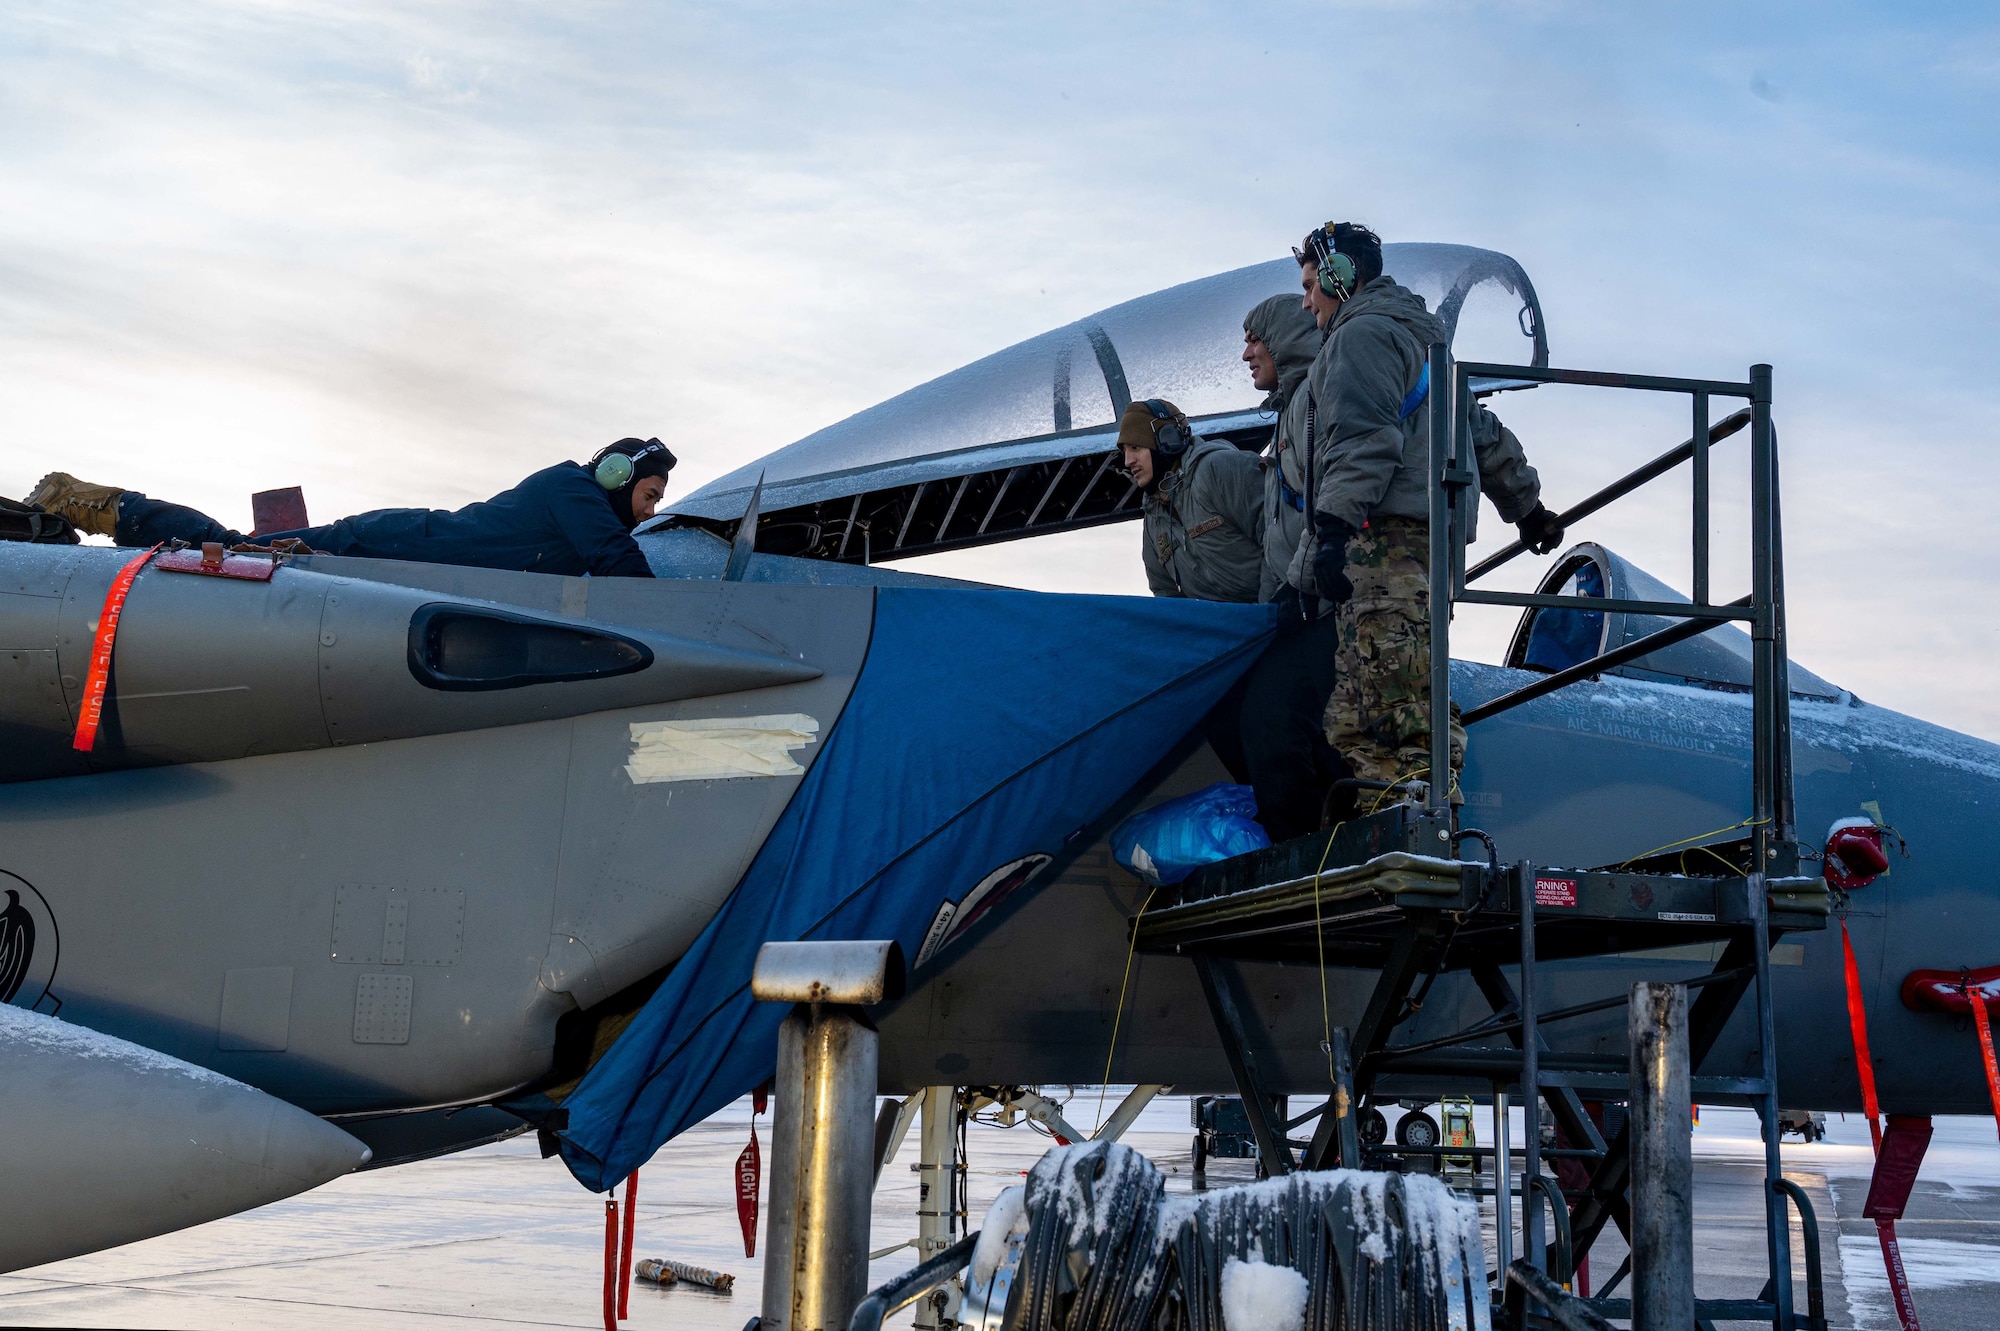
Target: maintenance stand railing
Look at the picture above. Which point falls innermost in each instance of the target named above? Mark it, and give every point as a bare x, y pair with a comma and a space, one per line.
1400, 901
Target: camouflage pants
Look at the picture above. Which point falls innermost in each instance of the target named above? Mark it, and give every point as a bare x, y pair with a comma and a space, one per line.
1378, 717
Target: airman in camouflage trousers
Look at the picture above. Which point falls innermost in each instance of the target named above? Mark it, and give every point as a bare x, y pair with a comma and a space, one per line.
1379, 716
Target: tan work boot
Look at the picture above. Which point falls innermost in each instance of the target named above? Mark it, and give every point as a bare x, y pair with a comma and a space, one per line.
90, 508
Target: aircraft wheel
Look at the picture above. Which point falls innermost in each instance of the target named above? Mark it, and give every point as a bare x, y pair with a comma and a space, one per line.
1418, 1129
1372, 1126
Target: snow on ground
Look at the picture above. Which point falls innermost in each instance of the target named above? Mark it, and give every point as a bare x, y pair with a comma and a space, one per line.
1931, 1264
500, 1238
1949, 1236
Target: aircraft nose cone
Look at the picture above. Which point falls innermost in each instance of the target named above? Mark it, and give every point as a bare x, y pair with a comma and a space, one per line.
307, 1148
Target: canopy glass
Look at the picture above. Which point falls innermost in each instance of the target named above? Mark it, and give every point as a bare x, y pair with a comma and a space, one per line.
1057, 394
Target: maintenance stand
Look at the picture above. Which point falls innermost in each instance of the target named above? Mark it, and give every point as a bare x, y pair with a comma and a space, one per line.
1388, 892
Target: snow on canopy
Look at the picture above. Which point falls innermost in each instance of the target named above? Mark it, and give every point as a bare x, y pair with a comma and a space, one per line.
1059, 394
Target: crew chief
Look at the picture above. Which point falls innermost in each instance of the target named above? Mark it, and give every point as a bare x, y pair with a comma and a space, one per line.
569, 519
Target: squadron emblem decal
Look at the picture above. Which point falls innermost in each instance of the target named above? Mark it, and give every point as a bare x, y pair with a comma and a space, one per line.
28, 946
955, 918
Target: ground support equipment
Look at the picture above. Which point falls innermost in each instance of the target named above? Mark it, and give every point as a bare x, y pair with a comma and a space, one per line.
1398, 898
1410, 917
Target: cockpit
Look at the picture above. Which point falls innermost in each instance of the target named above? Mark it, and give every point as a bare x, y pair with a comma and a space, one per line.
1020, 442
1551, 640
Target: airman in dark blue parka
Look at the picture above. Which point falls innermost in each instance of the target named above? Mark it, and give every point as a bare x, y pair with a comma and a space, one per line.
568, 519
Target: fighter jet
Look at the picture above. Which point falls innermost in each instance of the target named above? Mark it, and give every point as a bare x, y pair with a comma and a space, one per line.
367, 862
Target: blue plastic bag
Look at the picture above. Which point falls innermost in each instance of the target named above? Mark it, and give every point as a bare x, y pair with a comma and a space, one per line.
1167, 842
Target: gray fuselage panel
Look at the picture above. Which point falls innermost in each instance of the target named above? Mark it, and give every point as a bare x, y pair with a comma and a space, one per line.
395, 924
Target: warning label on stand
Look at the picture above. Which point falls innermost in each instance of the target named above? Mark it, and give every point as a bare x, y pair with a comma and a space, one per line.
1555, 891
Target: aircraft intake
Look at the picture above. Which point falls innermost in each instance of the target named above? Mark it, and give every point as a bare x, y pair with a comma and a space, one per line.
211, 668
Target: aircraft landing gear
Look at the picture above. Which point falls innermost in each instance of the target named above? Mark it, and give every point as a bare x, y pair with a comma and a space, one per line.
1806, 1124
1418, 1128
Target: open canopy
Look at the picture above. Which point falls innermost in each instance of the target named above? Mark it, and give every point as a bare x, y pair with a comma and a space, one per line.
1021, 441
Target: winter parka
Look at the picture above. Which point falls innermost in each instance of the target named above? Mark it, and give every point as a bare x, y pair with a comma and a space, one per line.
1293, 339
559, 520
1371, 457
1204, 525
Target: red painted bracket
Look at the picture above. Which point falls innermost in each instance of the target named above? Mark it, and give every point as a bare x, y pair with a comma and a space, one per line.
213, 561
1951, 991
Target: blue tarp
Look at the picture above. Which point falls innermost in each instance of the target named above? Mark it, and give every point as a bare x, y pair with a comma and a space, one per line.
985, 727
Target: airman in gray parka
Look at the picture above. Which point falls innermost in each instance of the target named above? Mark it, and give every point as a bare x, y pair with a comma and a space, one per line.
1203, 510
1204, 531
1373, 425
1280, 340
1368, 549
1289, 764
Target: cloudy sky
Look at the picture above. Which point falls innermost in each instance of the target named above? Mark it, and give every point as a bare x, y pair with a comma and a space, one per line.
404, 254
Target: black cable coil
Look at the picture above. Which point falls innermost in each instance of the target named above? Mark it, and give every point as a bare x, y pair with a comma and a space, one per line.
1107, 1250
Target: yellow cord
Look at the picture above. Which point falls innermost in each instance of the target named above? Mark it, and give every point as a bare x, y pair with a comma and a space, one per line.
1381, 795
1698, 836
1708, 852
1413, 774
1325, 1009
1118, 1017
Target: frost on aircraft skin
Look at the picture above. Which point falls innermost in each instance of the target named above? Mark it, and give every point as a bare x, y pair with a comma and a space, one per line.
1688, 717
1863, 727
18, 1027
1059, 394
1716, 720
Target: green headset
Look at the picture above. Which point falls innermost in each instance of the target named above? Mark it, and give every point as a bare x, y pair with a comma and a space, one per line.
1337, 273
614, 470
1171, 436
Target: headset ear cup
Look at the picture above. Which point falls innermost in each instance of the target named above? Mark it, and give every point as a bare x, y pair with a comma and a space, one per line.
613, 471
1336, 275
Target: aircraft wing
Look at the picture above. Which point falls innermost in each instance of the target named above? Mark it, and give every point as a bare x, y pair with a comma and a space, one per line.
1023, 442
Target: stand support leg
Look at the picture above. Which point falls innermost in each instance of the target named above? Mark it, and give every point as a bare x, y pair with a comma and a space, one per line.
1392, 987
1228, 1005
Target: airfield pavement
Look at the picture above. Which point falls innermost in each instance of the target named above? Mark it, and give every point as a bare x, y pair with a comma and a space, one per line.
498, 1237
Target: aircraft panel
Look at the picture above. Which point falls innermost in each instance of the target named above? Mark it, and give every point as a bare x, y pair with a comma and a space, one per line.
215, 868
645, 864
436, 902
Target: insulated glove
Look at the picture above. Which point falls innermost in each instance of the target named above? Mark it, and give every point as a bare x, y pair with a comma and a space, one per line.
1330, 558
1291, 608
1541, 531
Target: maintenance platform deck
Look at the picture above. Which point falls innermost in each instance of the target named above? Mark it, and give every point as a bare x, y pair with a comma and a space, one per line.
1284, 904
1373, 893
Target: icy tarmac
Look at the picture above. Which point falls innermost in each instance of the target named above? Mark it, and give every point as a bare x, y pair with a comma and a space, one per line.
499, 1237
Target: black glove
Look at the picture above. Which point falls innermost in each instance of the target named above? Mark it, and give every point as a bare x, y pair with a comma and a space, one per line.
1330, 558
1291, 608
1541, 531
